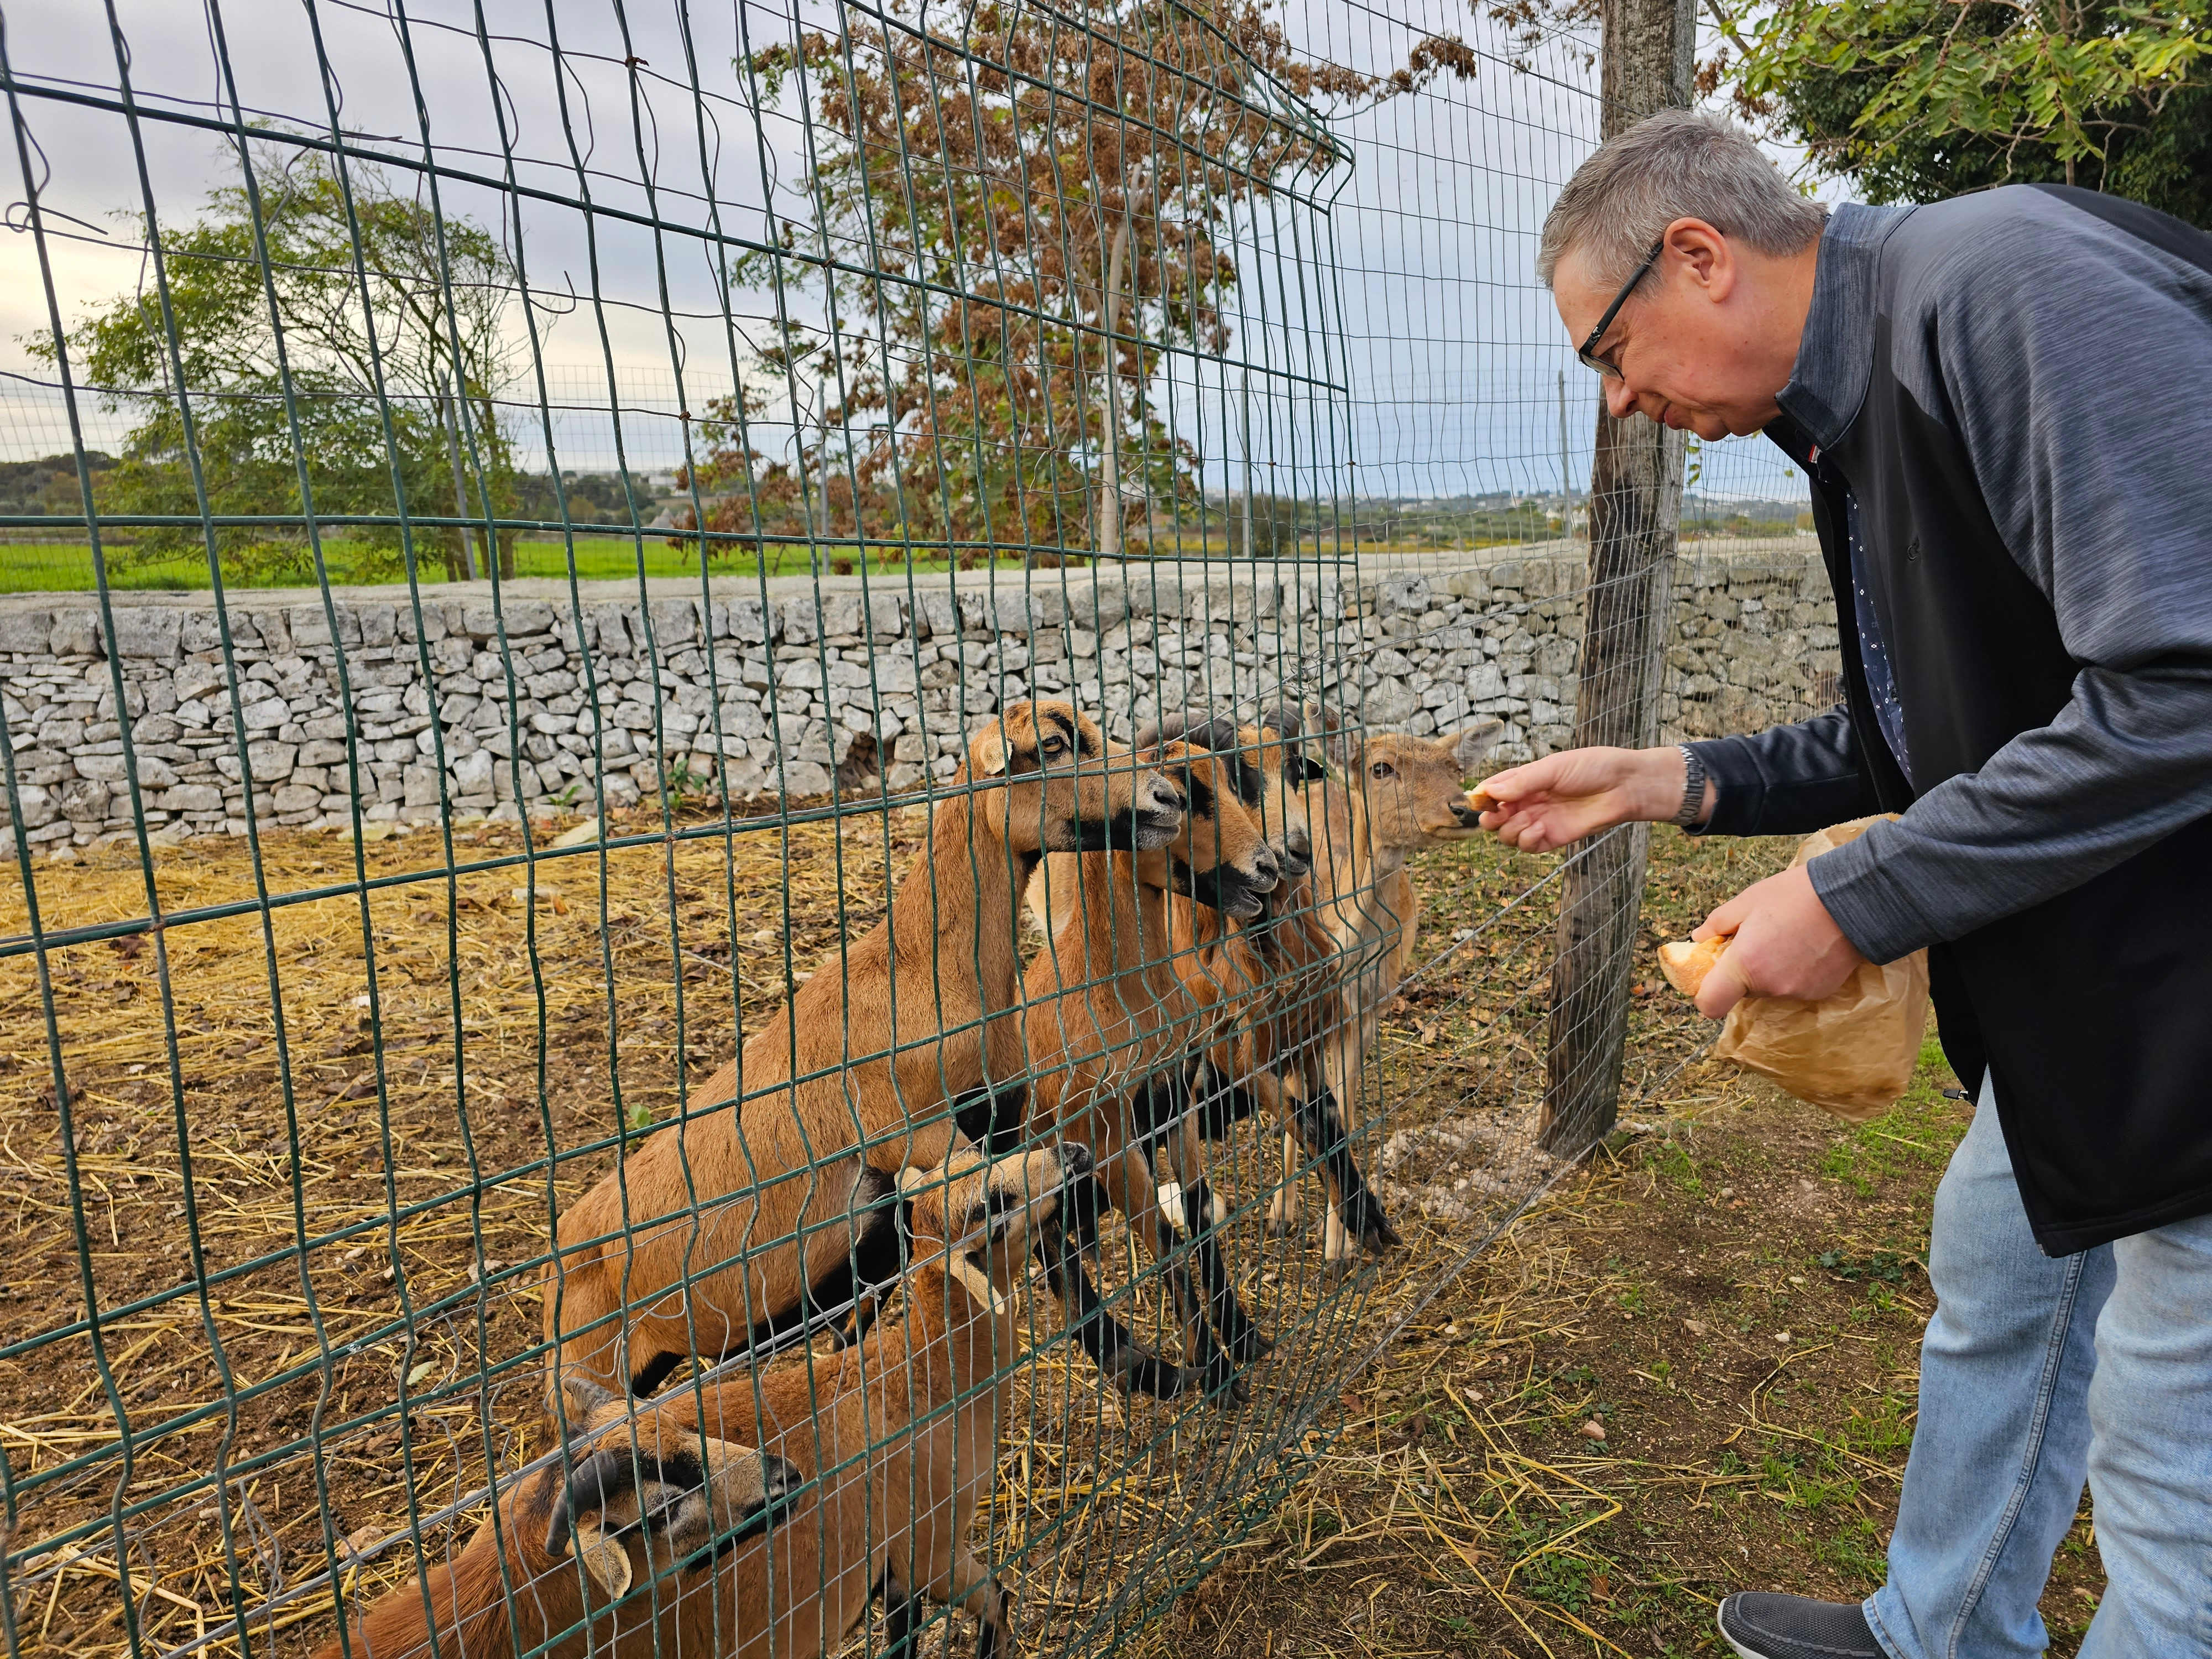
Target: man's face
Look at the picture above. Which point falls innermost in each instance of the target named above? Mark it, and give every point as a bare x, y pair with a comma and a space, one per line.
1697, 344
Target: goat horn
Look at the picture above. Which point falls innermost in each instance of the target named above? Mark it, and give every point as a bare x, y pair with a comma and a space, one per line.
589, 1487
584, 1400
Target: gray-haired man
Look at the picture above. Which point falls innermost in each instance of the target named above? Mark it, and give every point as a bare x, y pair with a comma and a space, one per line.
2004, 403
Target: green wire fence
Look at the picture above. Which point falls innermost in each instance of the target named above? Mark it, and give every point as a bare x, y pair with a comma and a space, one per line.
964, 555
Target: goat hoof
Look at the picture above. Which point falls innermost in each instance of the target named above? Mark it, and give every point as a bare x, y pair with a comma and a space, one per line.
1380, 1236
1156, 1378
1255, 1345
1227, 1387
1283, 1226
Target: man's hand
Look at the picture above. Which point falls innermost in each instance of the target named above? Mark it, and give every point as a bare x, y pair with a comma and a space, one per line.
1578, 791
1786, 945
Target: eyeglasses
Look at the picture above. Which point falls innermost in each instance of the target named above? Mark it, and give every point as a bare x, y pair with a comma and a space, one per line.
1588, 350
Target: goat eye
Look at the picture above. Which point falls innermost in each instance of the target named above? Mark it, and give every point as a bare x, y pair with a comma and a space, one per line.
1382, 769
1054, 748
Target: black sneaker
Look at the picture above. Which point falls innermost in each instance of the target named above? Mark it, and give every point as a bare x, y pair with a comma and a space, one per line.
1759, 1626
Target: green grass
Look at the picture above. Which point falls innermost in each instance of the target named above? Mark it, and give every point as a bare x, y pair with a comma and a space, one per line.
1921, 1129
49, 568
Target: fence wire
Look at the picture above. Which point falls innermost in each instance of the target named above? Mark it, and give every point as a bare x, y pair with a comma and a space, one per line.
742, 917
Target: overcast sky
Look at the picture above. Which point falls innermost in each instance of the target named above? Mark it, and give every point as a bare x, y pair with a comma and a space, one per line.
1402, 346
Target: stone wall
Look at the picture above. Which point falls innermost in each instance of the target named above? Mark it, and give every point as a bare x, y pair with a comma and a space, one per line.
809, 682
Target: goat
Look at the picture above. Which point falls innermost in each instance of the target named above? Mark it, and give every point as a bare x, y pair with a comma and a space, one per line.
648, 1539
1274, 980
736, 1225
1110, 1027
1401, 794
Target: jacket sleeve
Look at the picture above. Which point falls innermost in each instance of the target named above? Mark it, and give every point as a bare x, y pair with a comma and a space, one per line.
2098, 481
1788, 780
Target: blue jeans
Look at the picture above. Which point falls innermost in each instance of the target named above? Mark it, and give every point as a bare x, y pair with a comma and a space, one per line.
2034, 1374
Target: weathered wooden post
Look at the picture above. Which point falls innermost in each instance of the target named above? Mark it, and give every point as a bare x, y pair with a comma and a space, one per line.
1635, 507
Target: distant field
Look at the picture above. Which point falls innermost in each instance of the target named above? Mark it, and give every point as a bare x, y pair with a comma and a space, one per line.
48, 568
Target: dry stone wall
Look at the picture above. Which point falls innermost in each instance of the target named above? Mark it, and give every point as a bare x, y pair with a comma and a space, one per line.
477, 711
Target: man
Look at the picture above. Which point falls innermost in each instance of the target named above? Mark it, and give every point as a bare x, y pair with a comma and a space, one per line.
2004, 403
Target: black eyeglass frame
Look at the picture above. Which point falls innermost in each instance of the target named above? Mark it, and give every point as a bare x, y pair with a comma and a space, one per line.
1586, 353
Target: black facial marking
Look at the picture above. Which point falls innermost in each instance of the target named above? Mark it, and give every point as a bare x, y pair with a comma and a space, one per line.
1223, 887
1117, 833
1202, 797
1247, 779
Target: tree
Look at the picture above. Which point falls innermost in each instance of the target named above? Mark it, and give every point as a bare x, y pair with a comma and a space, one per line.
1921, 98
1011, 227
1275, 522
433, 320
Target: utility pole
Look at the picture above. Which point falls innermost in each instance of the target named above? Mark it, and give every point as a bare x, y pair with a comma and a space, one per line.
1635, 512
1566, 477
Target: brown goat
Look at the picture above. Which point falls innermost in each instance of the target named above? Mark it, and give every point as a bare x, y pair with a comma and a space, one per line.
647, 1540
1401, 795
1273, 982
743, 1222
1111, 1028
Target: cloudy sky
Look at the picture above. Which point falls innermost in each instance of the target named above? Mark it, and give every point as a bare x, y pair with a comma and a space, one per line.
1392, 340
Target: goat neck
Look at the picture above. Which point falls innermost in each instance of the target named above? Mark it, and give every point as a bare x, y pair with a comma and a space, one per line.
958, 921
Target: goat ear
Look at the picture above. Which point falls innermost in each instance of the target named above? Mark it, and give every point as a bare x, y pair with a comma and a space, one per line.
987, 756
607, 1561
913, 1179
1475, 741
1307, 769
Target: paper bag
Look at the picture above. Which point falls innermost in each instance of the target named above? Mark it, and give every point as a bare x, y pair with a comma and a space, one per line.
1851, 1053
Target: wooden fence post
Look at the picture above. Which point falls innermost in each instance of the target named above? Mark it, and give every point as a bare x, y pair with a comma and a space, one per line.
1635, 508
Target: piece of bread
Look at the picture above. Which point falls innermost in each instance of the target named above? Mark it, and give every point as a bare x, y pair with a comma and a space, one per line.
1686, 965
1478, 802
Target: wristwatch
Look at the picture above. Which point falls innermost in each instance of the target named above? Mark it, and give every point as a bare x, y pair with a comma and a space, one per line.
1692, 809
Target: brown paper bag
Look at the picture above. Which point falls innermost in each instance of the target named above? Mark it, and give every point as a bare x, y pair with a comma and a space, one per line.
1851, 1053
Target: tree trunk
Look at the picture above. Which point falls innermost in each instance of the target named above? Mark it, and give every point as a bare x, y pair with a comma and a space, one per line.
447, 417
1635, 509
1109, 462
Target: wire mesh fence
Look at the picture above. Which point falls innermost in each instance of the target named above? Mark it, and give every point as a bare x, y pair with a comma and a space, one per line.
741, 966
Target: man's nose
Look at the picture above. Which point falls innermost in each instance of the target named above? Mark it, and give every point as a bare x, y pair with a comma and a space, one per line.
1619, 401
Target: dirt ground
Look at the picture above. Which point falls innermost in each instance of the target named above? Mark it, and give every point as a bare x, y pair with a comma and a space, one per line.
365, 1186
1735, 1295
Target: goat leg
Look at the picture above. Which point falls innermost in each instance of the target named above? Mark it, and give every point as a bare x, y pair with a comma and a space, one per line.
1244, 1340
903, 1612
1217, 1370
1322, 1128
1284, 1210
1133, 1368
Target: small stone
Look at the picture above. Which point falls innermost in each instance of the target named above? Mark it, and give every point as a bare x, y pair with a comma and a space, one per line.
1592, 1430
